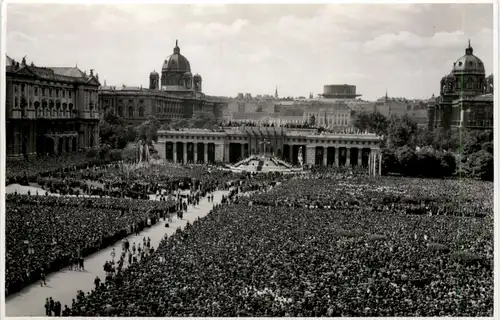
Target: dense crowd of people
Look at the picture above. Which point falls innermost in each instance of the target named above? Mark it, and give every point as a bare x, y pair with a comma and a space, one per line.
325, 243
259, 257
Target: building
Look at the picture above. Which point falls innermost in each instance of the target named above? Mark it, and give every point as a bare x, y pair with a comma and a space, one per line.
466, 96
233, 144
340, 91
50, 110
176, 94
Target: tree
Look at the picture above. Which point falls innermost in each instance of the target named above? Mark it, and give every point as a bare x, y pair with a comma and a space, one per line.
114, 132
402, 131
148, 130
374, 122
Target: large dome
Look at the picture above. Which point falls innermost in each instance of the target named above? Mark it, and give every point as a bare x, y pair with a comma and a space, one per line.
176, 62
468, 63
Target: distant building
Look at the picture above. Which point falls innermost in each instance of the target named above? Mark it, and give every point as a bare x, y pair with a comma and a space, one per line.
50, 110
340, 91
176, 95
466, 96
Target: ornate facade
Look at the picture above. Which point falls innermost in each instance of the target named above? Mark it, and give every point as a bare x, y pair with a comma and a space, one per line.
176, 94
466, 96
233, 144
50, 110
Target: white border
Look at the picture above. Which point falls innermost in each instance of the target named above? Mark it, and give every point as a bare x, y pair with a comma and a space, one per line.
2, 103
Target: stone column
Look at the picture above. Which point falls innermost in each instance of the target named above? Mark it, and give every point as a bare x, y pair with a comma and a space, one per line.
325, 156
205, 153
380, 163
56, 145
360, 157
242, 151
310, 156
195, 152
185, 154
174, 151
348, 157
337, 156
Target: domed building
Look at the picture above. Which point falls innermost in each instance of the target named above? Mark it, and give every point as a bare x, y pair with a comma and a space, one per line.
466, 96
172, 94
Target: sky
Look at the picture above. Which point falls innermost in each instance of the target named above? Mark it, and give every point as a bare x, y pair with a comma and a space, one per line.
403, 48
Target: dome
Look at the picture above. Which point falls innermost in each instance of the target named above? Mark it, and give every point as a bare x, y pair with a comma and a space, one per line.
188, 75
176, 62
468, 63
154, 74
197, 76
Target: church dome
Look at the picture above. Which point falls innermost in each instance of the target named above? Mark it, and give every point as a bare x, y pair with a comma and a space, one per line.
468, 63
176, 62
153, 74
197, 76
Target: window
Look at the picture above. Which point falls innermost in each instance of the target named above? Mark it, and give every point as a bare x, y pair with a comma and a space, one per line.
69, 94
130, 111
50, 93
64, 93
22, 87
36, 91
141, 111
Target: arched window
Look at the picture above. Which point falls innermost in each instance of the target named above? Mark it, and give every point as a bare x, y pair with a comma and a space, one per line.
470, 84
65, 109
58, 108
141, 111
37, 110
130, 112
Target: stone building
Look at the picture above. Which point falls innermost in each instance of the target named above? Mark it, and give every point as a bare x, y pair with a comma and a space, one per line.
466, 96
175, 94
232, 144
50, 110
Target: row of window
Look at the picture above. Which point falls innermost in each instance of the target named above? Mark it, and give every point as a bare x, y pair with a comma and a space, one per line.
44, 91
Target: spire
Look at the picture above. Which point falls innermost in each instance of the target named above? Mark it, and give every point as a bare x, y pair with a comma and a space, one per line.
386, 95
177, 49
469, 49
276, 92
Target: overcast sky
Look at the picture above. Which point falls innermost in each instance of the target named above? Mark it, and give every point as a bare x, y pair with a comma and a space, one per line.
405, 49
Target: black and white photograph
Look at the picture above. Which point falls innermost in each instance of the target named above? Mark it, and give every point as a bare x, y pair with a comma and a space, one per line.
248, 159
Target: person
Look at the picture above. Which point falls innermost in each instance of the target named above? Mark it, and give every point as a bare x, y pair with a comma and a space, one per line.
82, 267
51, 305
133, 248
42, 278
57, 309
97, 281
66, 312
47, 308
113, 253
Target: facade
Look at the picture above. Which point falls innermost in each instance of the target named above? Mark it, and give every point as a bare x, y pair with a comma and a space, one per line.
233, 144
50, 110
466, 96
176, 94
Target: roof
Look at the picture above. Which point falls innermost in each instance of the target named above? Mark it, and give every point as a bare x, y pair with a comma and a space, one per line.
73, 72
9, 61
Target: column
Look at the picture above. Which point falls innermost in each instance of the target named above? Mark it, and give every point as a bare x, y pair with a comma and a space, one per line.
195, 154
290, 153
348, 157
337, 156
56, 144
185, 154
242, 151
205, 152
174, 151
380, 163
325, 156
360, 157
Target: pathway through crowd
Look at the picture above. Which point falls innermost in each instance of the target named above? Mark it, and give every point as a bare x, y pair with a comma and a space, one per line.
63, 285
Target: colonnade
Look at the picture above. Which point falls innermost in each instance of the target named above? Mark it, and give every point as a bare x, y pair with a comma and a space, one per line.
192, 152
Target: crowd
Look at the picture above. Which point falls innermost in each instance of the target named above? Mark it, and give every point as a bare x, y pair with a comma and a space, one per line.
27, 170
46, 233
324, 248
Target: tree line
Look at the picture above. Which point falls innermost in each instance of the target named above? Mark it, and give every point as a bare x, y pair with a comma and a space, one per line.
410, 150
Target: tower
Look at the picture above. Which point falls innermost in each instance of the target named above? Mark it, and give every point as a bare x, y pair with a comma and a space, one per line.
276, 93
154, 81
